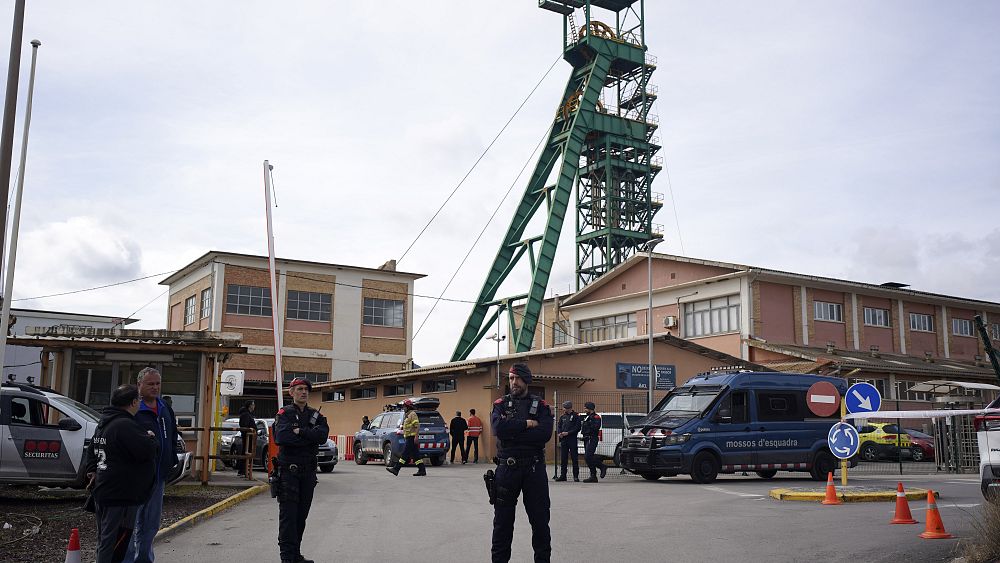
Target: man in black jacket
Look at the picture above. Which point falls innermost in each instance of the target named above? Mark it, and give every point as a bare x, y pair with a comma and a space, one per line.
121, 466
249, 438
567, 430
457, 428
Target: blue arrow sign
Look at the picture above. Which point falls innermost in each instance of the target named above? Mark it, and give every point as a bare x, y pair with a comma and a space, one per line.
843, 440
862, 397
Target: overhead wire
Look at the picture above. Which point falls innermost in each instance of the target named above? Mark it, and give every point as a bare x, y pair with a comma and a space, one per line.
478, 160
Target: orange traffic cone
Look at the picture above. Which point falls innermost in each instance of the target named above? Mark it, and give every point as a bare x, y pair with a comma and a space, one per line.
903, 515
73, 548
935, 527
831, 491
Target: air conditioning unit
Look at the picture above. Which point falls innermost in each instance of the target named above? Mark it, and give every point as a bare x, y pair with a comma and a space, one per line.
669, 321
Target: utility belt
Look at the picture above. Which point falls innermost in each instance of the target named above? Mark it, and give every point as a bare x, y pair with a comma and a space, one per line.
519, 461
295, 467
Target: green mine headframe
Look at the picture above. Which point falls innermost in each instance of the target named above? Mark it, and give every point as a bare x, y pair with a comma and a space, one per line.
602, 141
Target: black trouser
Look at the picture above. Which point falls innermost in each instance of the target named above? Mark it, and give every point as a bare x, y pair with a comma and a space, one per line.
410, 451
294, 501
456, 443
589, 447
511, 481
567, 450
114, 531
469, 442
241, 464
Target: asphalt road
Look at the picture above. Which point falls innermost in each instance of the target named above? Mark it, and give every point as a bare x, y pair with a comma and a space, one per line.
362, 513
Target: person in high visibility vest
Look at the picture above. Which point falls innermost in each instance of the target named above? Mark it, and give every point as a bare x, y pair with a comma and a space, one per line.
411, 427
472, 435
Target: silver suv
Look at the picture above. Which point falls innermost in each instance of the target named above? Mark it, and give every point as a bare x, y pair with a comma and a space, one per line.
43, 436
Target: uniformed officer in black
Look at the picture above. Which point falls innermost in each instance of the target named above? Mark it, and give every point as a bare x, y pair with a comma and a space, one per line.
590, 428
522, 424
298, 430
567, 431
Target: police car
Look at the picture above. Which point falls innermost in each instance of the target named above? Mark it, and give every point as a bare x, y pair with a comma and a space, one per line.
733, 422
384, 437
43, 436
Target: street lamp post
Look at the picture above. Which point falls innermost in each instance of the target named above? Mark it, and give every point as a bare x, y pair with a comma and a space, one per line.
648, 247
498, 339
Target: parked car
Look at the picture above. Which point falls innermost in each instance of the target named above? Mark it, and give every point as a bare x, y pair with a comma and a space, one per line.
383, 439
43, 437
231, 442
881, 440
923, 445
609, 439
988, 436
724, 423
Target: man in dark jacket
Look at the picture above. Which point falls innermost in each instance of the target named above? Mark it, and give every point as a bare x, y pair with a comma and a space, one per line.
567, 430
249, 438
457, 428
156, 416
121, 465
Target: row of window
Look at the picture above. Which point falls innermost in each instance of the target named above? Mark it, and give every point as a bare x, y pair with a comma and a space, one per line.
607, 328
394, 390
309, 306
191, 307
920, 322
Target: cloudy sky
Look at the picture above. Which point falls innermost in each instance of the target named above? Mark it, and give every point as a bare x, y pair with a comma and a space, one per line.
853, 139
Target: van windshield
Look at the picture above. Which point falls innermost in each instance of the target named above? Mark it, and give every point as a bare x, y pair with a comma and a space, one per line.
688, 401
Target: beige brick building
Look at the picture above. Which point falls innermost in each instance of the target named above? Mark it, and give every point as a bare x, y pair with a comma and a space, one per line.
337, 322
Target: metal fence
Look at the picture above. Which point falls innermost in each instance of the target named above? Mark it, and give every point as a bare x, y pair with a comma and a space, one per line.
617, 411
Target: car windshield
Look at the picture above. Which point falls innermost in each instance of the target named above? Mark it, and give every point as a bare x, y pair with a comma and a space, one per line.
64, 402
688, 401
890, 429
919, 434
430, 418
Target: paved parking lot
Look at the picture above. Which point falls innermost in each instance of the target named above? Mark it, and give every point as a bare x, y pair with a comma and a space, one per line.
362, 513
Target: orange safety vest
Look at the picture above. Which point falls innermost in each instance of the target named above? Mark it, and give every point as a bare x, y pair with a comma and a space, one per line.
475, 426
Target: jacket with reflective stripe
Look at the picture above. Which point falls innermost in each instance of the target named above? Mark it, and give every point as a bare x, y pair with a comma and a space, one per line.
411, 425
475, 426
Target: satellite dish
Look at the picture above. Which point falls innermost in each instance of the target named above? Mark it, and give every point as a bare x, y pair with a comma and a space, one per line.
232, 382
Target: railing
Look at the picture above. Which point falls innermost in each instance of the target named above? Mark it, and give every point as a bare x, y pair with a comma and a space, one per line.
250, 436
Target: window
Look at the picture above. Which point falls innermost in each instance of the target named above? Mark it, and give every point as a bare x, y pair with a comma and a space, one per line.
921, 322
995, 333
248, 300
397, 389
309, 306
363, 393
559, 335
333, 396
780, 406
880, 384
607, 328
828, 311
961, 327
383, 312
712, 316
903, 392
734, 406
189, 310
206, 303
438, 385
311, 376
877, 317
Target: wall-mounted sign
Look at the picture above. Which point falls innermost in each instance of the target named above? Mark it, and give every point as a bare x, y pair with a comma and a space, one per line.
636, 376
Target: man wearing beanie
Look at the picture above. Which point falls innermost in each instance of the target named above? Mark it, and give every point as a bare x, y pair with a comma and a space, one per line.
568, 428
591, 428
522, 423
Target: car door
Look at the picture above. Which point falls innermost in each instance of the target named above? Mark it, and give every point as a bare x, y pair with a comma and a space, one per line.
370, 443
783, 435
729, 429
35, 441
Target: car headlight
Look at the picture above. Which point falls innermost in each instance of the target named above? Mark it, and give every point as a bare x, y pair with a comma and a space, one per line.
677, 439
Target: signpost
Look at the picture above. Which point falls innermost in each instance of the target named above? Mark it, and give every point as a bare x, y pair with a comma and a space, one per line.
823, 399
843, 440
862, 398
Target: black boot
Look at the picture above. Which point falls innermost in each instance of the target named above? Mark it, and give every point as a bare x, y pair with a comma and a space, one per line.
560, 478
394, 468
591, 479
420, 470
604, 470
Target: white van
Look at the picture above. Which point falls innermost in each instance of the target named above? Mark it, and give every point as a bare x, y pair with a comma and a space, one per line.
988, 436
609, 439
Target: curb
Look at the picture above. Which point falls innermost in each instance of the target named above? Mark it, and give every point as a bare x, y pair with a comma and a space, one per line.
873, 496
206, 513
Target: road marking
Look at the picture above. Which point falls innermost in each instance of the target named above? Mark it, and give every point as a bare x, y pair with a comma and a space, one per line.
963, 481
734, 493
958, 505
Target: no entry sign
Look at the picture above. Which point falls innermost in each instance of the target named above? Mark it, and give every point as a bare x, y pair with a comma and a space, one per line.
823, 398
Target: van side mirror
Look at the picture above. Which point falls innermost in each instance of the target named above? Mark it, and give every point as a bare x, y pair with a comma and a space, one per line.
69, 424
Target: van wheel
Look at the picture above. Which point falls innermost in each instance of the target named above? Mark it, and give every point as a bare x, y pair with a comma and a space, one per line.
387, 454
360, 457
823, 465
649, 476
767, 473
704, 468
917, 454
618, 456
869, 452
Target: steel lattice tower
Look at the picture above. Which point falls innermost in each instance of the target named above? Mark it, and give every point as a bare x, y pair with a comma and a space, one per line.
601, 141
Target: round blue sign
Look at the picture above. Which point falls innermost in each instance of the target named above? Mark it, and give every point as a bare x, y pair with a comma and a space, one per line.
862, 397
843, 440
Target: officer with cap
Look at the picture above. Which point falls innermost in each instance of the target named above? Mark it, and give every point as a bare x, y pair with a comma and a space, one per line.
590, 428
298, 430
522, 423
567, 430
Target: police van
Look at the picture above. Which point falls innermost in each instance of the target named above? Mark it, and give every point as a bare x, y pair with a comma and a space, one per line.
747, 421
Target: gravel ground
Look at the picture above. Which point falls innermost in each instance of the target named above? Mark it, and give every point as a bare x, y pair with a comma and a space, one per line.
55, 512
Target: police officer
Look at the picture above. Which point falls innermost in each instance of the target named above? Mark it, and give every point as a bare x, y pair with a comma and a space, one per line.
411, 427
567, 429
590, 427
522, 424
298, 430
